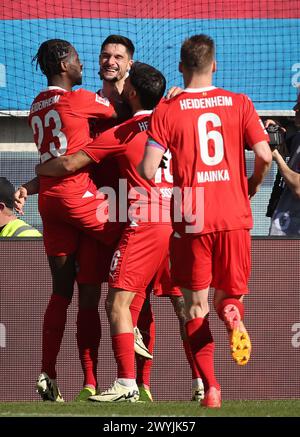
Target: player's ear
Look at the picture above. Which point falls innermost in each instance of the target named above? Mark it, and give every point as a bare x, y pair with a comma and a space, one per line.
129, 65
63, 66
214, 67
180, 67
133, 93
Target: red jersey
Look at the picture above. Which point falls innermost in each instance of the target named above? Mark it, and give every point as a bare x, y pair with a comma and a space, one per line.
148, 201
60, 123
107, 173
206, 131
124, 113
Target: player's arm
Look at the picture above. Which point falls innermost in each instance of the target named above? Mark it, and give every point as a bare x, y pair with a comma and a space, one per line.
291, 178
64, 165
262, 165
153, 156
258, 139
99, 149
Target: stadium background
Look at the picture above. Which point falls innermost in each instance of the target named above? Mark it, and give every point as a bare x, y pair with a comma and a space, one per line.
258, 54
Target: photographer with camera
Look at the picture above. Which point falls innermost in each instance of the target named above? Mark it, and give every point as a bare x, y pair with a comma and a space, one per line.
284, 206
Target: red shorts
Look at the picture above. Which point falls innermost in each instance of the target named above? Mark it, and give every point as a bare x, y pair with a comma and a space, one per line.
93, 260
138, 256
64, 219
162, 284
219, 259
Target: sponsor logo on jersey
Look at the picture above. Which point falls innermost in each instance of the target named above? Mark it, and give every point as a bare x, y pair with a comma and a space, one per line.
102, 100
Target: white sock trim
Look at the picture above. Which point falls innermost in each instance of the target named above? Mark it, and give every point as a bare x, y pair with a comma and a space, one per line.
128, 382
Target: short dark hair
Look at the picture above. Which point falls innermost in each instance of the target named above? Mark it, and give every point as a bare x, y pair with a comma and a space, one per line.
197, 52
119, 39
148, 82
50, 54
7, 193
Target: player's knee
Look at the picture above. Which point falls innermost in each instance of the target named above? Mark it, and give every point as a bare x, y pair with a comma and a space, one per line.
179, 308
63, 275
108, 307
89, 296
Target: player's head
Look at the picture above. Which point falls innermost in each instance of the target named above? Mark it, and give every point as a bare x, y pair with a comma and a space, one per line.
7, 192
147, 83
197, 55
57, 56
116, 58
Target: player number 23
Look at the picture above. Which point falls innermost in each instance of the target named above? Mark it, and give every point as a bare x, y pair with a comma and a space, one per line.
38, 127
214, 135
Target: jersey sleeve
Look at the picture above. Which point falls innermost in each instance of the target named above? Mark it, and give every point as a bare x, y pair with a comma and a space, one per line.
106, 144
91, 105
158, 129
253, 126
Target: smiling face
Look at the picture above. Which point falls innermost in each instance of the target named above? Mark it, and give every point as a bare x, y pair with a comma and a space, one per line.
114, 62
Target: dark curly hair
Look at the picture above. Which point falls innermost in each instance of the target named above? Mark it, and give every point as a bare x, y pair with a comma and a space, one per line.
148, 82
50, 54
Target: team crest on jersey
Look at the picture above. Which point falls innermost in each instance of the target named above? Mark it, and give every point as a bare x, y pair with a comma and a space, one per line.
102, 100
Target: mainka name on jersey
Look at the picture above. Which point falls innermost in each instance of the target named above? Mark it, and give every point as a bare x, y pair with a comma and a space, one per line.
205, 102
213, 176
38, 106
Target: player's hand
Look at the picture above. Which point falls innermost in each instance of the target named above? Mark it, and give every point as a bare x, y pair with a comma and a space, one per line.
174, 91
20, 199
253, 187
270, 122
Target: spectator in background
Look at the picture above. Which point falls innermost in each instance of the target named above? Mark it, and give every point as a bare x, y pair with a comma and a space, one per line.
206, 129
10, 225
285, 220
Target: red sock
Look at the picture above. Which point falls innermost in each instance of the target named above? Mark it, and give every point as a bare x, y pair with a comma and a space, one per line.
53, 330
230, 301
202, 347
135, 308
123, 347
190, 358
146, 326
88, 339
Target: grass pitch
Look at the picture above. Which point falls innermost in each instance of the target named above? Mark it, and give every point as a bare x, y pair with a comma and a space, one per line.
282, 408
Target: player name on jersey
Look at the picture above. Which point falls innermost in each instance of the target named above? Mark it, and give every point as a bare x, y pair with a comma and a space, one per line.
143, 125
37, 106
205, 102
213, 176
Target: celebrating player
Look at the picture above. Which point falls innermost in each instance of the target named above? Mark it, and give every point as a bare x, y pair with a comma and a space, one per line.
59, 118
127, 140
206, 129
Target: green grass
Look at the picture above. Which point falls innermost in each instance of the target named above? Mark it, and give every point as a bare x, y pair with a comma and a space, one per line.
286, 408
